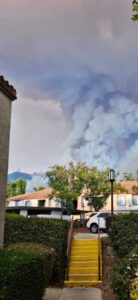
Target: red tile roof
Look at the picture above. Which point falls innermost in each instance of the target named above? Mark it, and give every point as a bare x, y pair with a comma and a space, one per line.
7, 89
128, 185
42, 194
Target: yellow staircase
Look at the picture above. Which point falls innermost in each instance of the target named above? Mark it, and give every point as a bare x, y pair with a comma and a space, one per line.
84, 266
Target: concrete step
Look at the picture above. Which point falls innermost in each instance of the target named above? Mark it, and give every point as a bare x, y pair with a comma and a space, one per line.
85, 283
78, 277
84, 246
84, 257
83, 270
82, 250
87, 263
85, 242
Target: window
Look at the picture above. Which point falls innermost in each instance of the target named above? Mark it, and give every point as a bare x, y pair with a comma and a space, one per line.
93, 214
103, 215
58, 203
121, 201
41, 203
74, 204
27, 203
135, 200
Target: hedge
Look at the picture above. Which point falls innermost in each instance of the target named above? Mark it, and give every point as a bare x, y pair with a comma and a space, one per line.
23, 271
108, 221
46, 252
123, 274
124, 233
50, 232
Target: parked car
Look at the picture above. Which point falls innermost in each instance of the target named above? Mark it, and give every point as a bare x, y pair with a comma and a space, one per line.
92, 223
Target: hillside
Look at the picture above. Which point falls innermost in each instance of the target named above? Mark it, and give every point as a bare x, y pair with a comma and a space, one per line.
15, 175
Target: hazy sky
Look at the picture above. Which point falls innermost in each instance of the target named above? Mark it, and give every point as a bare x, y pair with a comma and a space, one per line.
74, 64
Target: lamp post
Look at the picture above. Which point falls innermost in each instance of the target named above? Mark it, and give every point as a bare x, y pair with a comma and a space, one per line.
112, 178
82, 205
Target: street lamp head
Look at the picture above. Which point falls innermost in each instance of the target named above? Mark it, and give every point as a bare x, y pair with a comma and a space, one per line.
111, 175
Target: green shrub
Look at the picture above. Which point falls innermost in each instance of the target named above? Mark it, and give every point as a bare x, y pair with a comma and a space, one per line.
14, 215
50, 232
79, 224
108, 221
123, 273
46, 252
124, 233
22, 275
134, 289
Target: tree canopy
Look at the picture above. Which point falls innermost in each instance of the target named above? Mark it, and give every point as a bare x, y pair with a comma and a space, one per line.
135, 10
69, 182
130, 176
16, 187
36, 189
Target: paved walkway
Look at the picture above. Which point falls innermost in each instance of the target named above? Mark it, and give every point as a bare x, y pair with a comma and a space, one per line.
76, 293
85, 235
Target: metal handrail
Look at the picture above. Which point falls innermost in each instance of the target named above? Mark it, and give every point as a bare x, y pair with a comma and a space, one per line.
70, 237
99, 251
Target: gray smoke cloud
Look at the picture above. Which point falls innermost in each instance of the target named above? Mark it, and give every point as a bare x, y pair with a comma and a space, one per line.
38, 180
74, 64
104, 129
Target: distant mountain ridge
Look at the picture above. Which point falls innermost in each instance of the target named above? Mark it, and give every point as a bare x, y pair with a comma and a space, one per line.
15, 175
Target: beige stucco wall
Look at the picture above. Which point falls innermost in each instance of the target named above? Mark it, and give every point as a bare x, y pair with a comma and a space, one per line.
107, 207
79, 204
128, 198
5, 117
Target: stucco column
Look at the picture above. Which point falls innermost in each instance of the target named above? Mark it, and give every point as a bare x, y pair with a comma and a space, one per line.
7, 95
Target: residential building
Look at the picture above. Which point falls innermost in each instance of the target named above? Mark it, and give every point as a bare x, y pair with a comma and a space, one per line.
127, 201
39, 203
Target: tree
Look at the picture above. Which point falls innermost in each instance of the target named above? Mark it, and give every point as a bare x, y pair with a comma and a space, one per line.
135, 189
137, 175
16, 187
20, 186
36, 189
68, 182
135, 10
11, 189
128, 177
